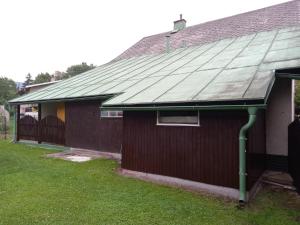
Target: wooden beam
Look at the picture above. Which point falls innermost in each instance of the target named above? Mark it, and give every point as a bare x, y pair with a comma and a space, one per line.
39, 119
17, 122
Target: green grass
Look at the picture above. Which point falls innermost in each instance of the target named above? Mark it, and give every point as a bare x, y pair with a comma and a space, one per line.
39, 190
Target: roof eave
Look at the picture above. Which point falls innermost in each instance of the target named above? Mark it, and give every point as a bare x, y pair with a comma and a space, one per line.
179, 108
99, 97
259, 103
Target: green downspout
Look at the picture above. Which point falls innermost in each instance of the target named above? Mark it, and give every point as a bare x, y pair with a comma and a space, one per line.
242, 152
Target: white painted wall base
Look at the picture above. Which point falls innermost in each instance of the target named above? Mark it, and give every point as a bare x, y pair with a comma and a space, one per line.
185, 184
227, 192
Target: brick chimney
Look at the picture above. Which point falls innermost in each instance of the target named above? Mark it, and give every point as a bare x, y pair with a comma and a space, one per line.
179, 24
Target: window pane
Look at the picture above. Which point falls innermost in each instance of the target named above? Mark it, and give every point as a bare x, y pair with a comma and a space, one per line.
179, 120
111, 114
120, 113
178, 117
104, 113
178, 113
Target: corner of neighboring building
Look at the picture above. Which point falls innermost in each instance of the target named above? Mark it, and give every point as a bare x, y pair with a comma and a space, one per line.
279, 114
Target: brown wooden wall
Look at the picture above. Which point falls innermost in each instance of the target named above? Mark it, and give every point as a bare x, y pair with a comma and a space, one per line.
85, 128
208, 153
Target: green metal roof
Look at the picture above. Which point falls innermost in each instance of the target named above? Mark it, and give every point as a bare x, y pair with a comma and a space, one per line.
231, 69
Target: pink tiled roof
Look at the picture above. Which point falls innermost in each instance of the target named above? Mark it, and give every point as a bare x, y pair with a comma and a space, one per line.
277, 16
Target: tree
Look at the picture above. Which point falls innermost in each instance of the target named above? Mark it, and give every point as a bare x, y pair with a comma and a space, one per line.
77, 69
58, 75
297, 93
8, 90
28, 80
42, 78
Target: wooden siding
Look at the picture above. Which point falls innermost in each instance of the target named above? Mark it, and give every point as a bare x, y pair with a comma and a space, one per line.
208, 153
85, 128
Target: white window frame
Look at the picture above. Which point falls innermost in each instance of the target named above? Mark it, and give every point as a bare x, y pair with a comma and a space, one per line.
110, 116
177, 124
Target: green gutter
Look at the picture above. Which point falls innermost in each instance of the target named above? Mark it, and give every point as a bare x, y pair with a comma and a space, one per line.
242, 152
178, 108
288, 75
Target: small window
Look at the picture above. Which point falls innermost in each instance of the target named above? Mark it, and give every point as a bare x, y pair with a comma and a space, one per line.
28, 109
178, 118
111, 114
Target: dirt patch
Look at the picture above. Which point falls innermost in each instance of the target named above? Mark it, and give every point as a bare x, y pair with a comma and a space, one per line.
287, 198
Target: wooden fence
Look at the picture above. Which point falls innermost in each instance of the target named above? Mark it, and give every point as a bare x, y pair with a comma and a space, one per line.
50, 129
28, 128
3, 127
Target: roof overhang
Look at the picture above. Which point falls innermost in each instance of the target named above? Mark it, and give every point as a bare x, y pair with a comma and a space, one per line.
289, 73
42, 84
191, 107
101, 97
183, 108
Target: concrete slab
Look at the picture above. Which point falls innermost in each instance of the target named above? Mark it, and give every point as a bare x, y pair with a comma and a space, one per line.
278, 178
83, 155
230, 193
77, 158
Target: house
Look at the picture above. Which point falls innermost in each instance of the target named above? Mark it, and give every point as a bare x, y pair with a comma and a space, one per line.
207, 105
32, 109
35, 87
4, 113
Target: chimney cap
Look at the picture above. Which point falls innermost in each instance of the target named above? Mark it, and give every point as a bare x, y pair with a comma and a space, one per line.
180, 19
179, 24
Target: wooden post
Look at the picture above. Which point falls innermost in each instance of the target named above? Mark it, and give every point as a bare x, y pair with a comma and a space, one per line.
38, 124
17, 121
14, 138
5, 128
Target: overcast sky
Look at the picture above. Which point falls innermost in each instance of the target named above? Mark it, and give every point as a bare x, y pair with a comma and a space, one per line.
48, 35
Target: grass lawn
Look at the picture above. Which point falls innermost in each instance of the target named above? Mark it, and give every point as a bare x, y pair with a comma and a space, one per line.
39, 190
